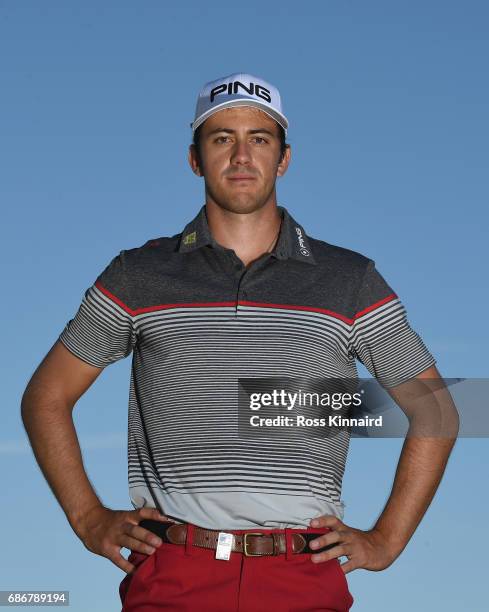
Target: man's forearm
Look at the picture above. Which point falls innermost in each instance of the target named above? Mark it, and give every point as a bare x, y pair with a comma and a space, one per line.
49, 425
419, 472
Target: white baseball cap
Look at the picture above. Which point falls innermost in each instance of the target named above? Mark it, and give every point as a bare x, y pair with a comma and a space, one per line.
239, 89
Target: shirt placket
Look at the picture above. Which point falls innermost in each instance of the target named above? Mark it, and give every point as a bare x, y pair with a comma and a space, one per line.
242, 275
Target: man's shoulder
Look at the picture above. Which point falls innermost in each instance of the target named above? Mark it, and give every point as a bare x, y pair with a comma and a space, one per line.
159, 245
328, 255
154, 250
131, 267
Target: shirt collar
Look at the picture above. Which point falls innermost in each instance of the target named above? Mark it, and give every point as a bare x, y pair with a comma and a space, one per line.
292, 242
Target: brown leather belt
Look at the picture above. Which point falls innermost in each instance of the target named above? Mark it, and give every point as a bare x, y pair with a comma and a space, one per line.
251, 544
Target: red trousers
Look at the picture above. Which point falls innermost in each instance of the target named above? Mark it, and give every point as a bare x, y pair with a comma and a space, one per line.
187, 578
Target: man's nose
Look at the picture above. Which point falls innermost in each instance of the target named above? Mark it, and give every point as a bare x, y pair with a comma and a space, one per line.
241, 153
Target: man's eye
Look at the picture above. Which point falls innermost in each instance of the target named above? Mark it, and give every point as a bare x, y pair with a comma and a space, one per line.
258, 139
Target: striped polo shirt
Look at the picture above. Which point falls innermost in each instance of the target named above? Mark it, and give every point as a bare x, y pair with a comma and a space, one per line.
196, 320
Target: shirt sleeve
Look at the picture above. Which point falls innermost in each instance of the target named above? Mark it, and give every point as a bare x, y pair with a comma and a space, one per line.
382, 338
102, 330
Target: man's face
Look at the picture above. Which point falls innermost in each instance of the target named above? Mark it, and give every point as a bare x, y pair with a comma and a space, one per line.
240, 150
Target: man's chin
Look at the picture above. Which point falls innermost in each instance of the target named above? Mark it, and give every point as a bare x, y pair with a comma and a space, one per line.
242, 206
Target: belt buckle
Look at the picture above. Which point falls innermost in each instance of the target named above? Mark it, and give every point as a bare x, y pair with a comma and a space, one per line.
245, 543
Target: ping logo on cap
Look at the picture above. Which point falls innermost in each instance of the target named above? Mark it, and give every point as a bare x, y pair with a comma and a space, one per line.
235, 90
232, 88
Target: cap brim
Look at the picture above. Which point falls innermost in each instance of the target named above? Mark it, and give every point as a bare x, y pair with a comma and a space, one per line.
280, 119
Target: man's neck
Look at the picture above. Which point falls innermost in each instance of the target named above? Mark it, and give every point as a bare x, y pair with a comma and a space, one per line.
250, 235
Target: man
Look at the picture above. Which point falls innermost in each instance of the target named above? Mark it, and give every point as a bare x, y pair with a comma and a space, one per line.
222, 521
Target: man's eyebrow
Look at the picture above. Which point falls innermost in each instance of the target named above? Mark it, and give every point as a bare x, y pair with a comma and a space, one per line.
230, 131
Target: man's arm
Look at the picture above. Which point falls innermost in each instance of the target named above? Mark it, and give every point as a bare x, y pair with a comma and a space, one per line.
46, 408
47, 414
421, 465
432, 433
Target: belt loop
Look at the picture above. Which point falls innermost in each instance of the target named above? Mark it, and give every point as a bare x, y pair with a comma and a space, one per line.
288, 544
189, 539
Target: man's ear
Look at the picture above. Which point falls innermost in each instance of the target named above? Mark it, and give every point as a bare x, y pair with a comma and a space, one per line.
284, 163
193, 160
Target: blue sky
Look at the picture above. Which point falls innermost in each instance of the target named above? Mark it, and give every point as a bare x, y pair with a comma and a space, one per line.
387, 104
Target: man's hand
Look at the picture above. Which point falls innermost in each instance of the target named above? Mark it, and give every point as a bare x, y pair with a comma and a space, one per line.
104, 532
364, 549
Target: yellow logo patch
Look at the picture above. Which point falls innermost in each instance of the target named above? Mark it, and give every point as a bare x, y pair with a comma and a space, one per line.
190, 238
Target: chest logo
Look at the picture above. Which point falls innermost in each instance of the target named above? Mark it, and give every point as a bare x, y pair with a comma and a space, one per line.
190, 238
